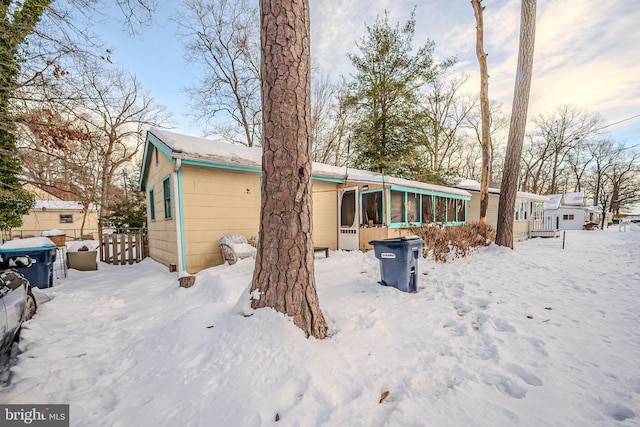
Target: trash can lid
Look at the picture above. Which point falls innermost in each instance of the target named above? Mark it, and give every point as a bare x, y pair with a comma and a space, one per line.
396, 239
28, 244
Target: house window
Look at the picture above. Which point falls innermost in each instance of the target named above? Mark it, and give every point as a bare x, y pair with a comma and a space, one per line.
427, 208
569, 217
451, 210
461, 214
155, 153
152, 205
372, 208
522, 211
66, 219
413, 207
166, 195
441, 209
397, 206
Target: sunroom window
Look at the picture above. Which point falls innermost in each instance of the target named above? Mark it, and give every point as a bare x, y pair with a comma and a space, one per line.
441, 209
372, 208
427, 208
397, 206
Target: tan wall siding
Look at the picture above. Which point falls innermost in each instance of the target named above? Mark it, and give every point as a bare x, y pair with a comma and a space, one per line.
38, 221
520, 230
217, 202
473, 209
162, 232
325, 214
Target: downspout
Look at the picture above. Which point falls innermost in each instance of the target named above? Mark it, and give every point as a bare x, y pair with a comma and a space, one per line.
178, 211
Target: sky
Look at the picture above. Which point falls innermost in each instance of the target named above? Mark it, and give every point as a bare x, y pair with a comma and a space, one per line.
587, 52
527, 337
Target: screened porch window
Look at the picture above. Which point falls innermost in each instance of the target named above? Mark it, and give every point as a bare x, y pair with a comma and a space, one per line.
372, 208
461, 211
441, 209
427, 208
397, 206
451, 210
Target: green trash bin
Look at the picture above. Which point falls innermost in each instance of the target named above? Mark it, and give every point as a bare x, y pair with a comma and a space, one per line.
399, 261
41, 250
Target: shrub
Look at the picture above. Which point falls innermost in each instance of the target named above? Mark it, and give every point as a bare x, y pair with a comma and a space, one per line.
446, 243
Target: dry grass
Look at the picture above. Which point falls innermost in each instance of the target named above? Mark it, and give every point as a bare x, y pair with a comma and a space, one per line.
447, 243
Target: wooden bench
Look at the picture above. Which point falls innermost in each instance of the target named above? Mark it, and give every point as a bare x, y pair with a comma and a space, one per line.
322, 249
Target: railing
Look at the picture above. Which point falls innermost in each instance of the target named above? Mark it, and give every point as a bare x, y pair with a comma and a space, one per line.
124, 248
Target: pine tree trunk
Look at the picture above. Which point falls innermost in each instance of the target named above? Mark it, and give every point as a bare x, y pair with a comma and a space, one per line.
484, 108
284, 272
508, 190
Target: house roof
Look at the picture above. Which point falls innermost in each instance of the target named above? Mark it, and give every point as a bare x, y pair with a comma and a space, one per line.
565, 200
554, 201
47, 201
60, 205
473, 185
573, 199
221, 153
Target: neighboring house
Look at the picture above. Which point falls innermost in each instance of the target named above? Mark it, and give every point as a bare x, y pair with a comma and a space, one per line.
568, 212
529, 209
199, 190
51, 213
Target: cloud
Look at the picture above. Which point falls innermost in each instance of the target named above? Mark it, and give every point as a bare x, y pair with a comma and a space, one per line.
587, 51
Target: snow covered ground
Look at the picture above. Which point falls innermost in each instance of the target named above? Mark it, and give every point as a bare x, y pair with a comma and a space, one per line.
537, 336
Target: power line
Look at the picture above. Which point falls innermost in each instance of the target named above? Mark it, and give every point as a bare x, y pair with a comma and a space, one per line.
618, 122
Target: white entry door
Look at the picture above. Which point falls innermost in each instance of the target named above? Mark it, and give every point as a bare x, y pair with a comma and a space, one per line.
348, 237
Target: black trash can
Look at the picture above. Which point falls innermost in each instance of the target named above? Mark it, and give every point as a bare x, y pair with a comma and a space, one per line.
43, 253
399, 261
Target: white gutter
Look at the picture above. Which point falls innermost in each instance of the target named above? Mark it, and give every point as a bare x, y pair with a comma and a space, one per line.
178, 213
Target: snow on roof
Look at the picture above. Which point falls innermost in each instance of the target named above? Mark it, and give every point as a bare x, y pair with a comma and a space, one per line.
473, 185
60, 205
554, 201
574, 199
356, 175
203, 149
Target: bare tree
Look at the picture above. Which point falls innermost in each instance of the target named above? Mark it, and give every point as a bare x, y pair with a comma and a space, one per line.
222, 36
444, 113
509, 187
484, 107
329, 121
613, 176
284, 274
553, 153
498, 123
114, 108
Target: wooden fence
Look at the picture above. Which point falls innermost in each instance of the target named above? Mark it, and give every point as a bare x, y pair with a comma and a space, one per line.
124, 248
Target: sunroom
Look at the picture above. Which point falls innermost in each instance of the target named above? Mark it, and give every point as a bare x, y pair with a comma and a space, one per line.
375, 207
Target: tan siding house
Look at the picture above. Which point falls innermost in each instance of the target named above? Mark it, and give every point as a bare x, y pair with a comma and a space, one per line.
51, 212
199, 190
528, 215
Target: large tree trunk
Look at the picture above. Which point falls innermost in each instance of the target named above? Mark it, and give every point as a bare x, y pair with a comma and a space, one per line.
284, 272
508, 190
484, 111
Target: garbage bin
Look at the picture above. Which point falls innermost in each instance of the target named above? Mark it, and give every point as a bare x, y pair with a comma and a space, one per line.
398, 261
83, 260
43, 253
